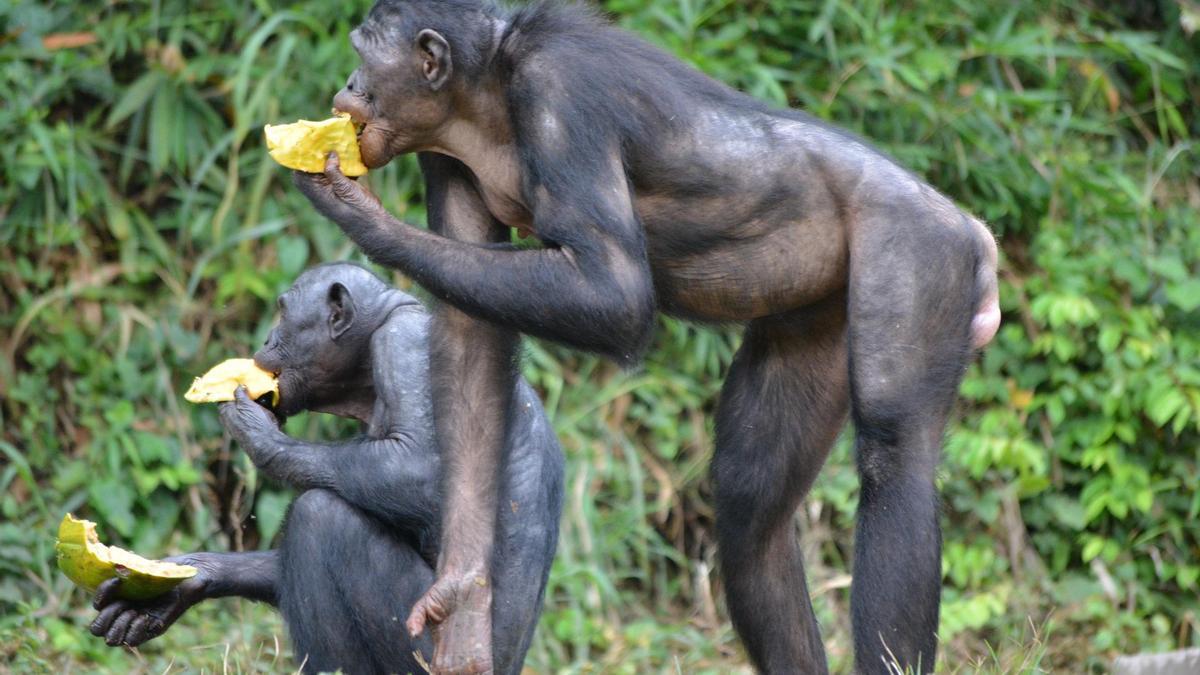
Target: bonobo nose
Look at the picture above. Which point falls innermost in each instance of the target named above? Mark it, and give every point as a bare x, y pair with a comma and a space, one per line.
345, 102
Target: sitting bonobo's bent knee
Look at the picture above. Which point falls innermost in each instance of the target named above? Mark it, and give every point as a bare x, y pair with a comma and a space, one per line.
314, 509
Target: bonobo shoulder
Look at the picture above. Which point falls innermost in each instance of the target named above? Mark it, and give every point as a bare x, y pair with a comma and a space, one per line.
405, 328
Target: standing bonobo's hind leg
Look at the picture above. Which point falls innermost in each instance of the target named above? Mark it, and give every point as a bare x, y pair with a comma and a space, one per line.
781, 408
912, 297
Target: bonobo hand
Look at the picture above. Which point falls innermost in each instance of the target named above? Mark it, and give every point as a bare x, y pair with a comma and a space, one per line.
277, 456
249, 423
460, 608
338, 198
132, 622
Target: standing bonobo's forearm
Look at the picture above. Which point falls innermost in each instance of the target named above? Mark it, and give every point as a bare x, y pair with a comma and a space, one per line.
603, 295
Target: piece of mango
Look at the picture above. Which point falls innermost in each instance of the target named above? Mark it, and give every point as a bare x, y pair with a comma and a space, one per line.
219, 383
88, 563
305, 145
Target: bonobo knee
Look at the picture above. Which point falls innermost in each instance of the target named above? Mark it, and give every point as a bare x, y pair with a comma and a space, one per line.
895, 442
316, 509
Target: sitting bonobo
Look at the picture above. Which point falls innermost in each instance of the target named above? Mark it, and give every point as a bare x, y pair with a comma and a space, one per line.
361, 540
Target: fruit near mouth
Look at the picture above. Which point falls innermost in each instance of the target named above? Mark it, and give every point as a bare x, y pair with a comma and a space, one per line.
305, 145
223, 379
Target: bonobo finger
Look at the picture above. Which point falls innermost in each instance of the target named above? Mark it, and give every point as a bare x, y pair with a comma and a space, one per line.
304, 179
116, 634
106, 592
333, 167
140, 630
104, 619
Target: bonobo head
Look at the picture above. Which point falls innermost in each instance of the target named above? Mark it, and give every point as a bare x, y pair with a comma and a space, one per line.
320, 347
420, 60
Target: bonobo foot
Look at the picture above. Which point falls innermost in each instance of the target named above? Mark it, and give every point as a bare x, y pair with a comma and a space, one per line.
459, 606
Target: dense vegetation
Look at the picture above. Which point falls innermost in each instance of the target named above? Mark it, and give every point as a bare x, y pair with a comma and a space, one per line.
143, 234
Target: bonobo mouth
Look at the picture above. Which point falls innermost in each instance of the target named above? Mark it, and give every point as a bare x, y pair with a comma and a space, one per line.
370, 140
275, 372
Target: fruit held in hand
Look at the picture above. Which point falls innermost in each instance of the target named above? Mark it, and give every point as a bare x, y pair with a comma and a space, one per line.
219, 383
88, 563
305, 145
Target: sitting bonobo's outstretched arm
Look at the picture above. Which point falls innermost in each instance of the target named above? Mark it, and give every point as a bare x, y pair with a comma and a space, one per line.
253, 575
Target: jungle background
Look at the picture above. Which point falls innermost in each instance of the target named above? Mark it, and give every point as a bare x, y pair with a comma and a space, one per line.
144, 233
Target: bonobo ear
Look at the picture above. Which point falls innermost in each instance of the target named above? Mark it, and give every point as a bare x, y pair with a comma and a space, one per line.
435, 57
341, 310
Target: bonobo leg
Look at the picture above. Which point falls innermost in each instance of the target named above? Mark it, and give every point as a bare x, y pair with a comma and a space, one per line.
781, 408
347, 586
912, 298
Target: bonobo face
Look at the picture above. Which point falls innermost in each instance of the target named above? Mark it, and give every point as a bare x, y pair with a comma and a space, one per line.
398, 97
313, 367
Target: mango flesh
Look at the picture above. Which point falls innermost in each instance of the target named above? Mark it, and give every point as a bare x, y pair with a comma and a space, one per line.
88, 563
304, 145
219, 383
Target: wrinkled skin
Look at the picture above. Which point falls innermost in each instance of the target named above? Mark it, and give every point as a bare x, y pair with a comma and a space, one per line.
128, 622
653, 188
349, 345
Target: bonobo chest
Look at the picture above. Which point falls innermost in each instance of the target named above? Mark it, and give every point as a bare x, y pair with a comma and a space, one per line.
497, 179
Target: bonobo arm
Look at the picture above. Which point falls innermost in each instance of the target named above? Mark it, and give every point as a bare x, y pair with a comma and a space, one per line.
253, 575
589, 288
394, 478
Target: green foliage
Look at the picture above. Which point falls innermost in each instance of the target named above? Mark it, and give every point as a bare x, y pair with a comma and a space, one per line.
144, 232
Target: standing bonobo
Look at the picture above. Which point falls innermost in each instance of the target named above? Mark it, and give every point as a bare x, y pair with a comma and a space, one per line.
653, 187
361, 539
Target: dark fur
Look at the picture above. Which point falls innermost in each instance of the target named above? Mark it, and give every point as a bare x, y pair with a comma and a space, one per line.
654, 187
361, 540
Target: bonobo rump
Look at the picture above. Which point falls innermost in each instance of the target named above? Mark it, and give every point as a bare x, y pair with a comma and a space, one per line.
653, 187
360, 540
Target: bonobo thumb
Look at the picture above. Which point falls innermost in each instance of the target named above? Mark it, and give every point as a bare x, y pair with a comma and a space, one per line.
342, 185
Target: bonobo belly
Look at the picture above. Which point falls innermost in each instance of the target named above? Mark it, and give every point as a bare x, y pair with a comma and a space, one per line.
750, 273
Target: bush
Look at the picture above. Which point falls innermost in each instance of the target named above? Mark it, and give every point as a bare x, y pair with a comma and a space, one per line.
144, 234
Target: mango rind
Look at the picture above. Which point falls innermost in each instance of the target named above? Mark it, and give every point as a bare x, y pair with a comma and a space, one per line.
304, 145
220, 382
89, 563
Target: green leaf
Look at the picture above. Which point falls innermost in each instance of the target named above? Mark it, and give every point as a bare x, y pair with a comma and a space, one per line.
135, 97
113, 498
270, 511
293, 254
1185, 295
1164, 406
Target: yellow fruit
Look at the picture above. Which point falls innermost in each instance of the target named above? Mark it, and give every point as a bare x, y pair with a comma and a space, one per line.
305, 145
87, 562
219, 383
